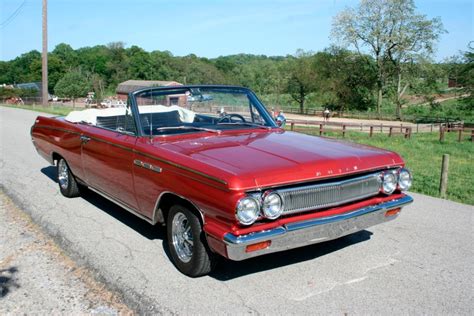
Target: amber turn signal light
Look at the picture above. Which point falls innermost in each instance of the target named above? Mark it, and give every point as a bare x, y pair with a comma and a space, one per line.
395, 211
258, 246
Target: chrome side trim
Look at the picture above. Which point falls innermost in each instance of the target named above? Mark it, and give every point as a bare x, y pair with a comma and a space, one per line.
181, 167
131, 210
202, 174
312, 231
146, 165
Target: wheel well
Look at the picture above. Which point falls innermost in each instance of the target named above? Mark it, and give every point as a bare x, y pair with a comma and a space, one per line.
56, 157
167, 200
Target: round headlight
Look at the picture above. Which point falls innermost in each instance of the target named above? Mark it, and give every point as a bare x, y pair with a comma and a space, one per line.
404, 179
272, 205
247, 210
389, 182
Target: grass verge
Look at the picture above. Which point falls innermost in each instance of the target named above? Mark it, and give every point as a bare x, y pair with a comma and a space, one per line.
422, 154
56, 110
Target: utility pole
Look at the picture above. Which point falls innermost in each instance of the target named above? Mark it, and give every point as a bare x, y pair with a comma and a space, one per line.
44, 63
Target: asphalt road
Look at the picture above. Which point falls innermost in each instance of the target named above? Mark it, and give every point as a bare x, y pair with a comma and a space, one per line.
420, 263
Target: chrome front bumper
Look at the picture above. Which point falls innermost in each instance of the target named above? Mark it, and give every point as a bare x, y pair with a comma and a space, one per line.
312, 231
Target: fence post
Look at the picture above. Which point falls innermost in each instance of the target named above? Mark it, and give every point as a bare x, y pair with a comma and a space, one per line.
372, 131
343, 130
441, 133
320, 129
417, 128
292, 126
390, 131
401, 128
381, 128
460, 135
472, 135
443, 183
361, 127
431, 127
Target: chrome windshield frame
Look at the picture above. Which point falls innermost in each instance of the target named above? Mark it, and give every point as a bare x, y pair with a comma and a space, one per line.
132, 100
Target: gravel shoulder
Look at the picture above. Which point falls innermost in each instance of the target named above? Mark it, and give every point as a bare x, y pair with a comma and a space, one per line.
36, 277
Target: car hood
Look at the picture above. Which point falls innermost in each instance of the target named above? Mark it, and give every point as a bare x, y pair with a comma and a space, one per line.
261, 159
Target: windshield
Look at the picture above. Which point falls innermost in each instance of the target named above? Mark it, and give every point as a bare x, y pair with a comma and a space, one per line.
199, 109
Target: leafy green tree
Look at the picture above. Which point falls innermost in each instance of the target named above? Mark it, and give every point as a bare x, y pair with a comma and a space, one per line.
302, 77
94, 59
392, 33
346, 79
73, 85
162, 66
117, 63
66, 54
21, 70
466, 78
5, 75
139, 64
56, 69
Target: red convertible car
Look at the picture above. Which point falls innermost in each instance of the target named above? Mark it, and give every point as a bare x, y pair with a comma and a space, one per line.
211, 164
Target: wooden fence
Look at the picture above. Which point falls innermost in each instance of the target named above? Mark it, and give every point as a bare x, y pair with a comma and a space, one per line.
343, 128
375, 116
459, 130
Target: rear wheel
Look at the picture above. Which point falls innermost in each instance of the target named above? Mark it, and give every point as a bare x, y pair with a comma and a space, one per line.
186, 242
67, 183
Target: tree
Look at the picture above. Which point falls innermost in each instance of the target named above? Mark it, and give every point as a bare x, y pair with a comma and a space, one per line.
66, 54
21, 68
302, 79
392, 33
139, 64
466, 74
73, 85
347, 81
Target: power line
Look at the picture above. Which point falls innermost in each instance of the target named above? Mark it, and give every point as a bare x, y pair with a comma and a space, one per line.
13, 15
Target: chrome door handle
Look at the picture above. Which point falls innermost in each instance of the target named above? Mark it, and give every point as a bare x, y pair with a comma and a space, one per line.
85, 139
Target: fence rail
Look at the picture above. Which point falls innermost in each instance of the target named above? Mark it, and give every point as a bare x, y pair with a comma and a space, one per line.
460, 130
374, 116
343, 128
371, 129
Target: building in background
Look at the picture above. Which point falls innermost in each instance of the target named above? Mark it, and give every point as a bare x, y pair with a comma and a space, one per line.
124, 88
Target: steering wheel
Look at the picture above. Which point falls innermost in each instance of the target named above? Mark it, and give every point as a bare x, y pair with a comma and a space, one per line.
228, 117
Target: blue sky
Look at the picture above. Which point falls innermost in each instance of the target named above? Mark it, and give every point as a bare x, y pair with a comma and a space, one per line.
203, 27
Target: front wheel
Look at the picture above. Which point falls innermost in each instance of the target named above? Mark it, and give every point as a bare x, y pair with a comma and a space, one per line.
188, 249
67, 183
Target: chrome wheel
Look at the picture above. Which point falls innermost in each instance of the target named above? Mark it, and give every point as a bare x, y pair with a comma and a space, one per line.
63, 174
182, 236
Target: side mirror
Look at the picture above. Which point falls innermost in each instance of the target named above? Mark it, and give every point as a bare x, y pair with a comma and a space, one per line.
280, 120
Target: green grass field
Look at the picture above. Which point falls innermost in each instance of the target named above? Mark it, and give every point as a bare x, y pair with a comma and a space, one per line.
422, 154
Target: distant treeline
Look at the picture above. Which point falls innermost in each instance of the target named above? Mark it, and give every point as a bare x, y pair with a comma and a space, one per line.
335, 78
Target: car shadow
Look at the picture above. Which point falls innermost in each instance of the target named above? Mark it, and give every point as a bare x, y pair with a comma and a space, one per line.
227, 269
8, 281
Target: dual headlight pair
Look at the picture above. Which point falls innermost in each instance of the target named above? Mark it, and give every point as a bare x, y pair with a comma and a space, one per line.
393, 179
270, 204
250, 208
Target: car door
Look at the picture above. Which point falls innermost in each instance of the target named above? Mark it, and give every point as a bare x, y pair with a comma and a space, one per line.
107, 160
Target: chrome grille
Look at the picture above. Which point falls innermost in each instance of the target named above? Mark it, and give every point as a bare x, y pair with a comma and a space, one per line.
317, 196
